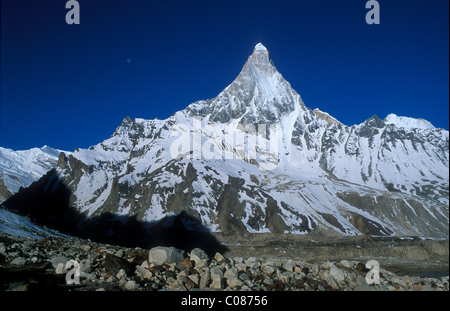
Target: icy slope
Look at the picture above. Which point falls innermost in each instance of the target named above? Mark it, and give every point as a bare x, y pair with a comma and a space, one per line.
14, 224
408, 123
21, 168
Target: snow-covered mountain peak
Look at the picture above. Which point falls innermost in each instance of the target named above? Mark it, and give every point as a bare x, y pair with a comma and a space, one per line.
260, 47
407, 122
311, 174
260, 58
259, 94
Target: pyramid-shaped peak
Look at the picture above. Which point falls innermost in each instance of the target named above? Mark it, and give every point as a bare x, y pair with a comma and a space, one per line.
258, 94
260, 47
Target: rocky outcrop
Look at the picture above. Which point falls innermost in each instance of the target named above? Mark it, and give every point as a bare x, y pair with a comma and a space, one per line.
326, 117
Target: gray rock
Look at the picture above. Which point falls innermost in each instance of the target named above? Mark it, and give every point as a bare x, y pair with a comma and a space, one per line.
234, 282
200, 258
131, 285
254, 272
216, 278
326, 266
268, 281
286, 277
252, 262
85, 248
57, 260
346, 264
337, 274
182, 277
219, 257
205, 278
268, 269
333, 282
119, 253
143, 273
61, 269
244, 276
19, 261
241, 266
288, 267
361, 284
277, 262
165, 255
121, 274
231, 273
232, 278
324, 274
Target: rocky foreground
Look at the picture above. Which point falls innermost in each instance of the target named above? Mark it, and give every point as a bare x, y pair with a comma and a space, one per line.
55, 263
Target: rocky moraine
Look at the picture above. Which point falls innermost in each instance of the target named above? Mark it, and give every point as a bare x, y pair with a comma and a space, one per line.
47, 264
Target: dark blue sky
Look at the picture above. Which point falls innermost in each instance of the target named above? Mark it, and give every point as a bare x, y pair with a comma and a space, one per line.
70, 86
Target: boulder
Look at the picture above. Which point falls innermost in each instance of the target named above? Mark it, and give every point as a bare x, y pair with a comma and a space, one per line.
61, 269
143, 272
165, 255
205, 278
219, 257
121, 274
268, 269
19, 261
241, 266
85, 248
216, 278
286, 277
234, 282
347, 264
337, 274
252, 262
131, 285
232, 278
332, 282
57, 260
200, 258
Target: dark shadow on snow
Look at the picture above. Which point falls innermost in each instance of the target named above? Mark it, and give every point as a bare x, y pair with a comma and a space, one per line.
47, 203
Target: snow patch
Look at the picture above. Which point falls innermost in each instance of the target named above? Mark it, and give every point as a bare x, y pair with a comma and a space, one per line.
407, 122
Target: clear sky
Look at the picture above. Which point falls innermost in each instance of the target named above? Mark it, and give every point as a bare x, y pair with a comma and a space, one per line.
70, 86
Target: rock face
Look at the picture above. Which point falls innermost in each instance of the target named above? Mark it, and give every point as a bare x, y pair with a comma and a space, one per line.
307, 172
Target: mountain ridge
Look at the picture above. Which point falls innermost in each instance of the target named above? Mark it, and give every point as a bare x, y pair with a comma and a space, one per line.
255, 159
20, 168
